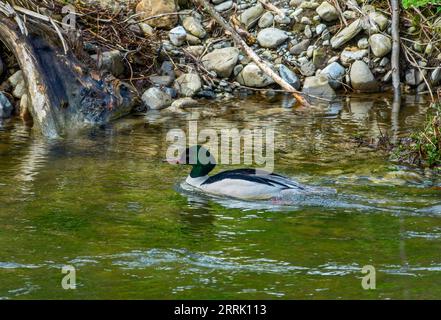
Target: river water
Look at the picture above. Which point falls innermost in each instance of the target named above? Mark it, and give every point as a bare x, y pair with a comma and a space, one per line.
106, 204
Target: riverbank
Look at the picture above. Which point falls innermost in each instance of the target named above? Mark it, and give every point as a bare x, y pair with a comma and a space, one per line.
318, 47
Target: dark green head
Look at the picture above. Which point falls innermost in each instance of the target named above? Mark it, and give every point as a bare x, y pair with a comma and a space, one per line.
201, 160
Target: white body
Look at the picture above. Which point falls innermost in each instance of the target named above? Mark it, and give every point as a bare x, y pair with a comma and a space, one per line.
237, 188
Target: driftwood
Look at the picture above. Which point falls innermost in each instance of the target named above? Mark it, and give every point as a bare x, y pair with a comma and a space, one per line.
63, 95
273, 8
250, 53
396, 47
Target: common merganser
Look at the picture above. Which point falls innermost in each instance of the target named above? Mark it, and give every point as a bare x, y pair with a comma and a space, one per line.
245, 184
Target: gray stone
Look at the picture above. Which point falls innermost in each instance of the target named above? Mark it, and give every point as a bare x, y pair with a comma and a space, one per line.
188, 84
252, 76
183, 103
251, 16
414, 77
282, 20
221, 61
146, 29
305, 20
363, 43
309, 5
224, 6
271, 37
266, 20
335, 73
156, 99
194, 27
177, 36
327, 12
320, 28
347, 57
307, 68
435, 77
162, 80
295, 3
379, 19
167, 68
192, 40
349, 14
326, 35
318, 86
237, 69
308, 32
6, 107
195, 51
346, 34
362, 78
380, 45
289, 76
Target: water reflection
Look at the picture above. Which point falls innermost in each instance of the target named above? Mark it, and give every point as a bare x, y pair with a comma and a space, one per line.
104, 202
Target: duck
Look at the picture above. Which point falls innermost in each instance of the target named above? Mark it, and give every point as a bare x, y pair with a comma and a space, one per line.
244, 184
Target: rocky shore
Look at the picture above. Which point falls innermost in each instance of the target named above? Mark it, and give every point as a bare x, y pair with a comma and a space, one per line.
317, 47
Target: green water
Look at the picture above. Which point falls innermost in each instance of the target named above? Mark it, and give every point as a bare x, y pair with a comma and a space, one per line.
106, 204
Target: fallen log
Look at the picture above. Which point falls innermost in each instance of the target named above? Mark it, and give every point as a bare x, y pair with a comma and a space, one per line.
64, 97
250, 53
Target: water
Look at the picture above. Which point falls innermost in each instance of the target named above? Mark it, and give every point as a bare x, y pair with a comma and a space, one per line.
106, 204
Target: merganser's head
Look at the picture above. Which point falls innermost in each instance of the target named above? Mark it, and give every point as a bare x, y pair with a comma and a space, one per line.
201, 160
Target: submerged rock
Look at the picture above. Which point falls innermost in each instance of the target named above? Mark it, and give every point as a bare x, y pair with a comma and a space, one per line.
252, 76
347, 34
362, 78
221, 61
318, 86
6, 107
271, 37
156, 99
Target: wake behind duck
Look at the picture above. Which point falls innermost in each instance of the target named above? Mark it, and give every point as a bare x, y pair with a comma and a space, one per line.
244, 184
